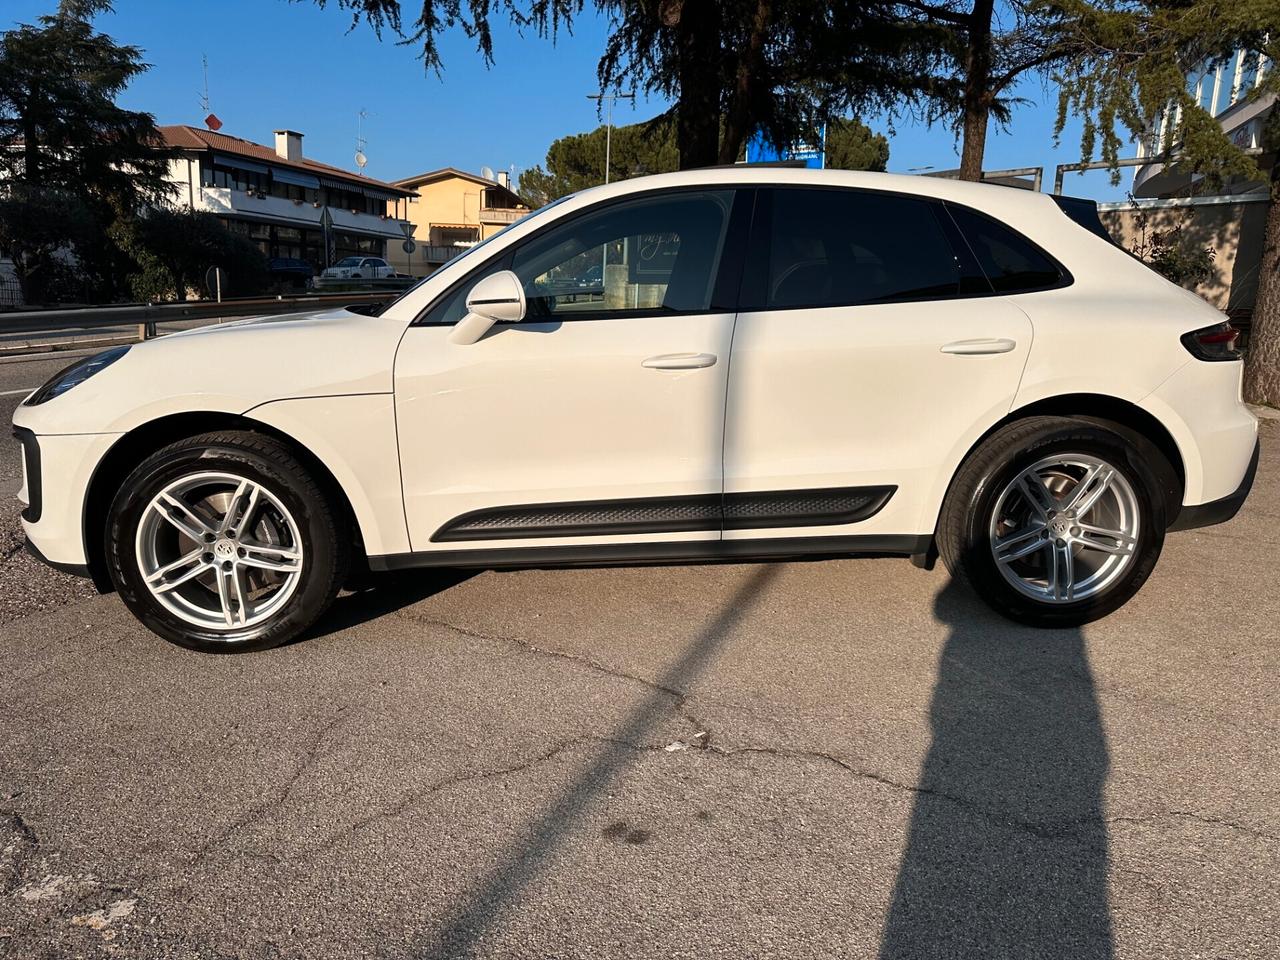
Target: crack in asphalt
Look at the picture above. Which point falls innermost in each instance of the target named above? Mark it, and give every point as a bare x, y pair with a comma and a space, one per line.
680, 697
257, 812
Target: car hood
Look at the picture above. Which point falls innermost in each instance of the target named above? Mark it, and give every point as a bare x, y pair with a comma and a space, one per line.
230, 367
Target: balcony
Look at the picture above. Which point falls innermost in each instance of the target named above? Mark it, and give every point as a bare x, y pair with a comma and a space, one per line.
226, 202
503, 215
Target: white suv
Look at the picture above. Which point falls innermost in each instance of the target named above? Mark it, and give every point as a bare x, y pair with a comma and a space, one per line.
718, 364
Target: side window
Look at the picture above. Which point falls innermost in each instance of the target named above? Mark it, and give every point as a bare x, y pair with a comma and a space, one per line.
652, 255
1011, 262
833, 247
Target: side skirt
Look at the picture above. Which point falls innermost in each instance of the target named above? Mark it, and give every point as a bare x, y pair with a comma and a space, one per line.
713, 551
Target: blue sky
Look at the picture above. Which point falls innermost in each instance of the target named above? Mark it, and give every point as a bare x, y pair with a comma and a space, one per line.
275, 64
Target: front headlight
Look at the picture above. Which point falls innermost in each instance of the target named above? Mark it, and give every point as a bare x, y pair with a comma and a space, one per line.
74, 375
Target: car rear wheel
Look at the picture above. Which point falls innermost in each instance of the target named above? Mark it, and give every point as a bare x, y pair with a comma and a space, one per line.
1054, 521
223, 543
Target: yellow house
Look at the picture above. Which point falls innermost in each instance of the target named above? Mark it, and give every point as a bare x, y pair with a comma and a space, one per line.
452, 211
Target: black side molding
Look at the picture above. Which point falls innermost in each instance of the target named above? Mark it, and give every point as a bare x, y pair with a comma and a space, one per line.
683, 551
1219, 511
734, 511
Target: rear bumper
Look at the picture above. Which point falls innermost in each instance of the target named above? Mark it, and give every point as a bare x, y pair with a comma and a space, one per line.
1219, 511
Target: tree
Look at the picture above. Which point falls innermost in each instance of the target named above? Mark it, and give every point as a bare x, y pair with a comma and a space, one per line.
732, 68
986, 50
38, 227
65, 135
174, 249
576, 162
1132, 65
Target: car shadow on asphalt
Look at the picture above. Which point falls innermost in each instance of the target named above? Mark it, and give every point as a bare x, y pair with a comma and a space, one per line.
458, 932
379, 594
1006, 854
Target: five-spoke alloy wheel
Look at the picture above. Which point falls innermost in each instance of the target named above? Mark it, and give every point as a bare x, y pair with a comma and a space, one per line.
224, 542
1054, 521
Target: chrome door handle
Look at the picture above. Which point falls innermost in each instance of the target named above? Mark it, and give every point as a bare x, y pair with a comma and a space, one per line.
679, 361
978, 348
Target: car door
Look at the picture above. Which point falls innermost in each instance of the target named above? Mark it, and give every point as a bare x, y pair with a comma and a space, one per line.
869, 350
597, 419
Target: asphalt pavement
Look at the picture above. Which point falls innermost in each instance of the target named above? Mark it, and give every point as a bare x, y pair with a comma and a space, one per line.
833, 759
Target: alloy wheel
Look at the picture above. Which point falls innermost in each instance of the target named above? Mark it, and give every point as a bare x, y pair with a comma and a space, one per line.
1065, 529
219, 551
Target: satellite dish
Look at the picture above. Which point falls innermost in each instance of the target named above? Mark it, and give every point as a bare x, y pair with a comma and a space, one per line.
361, 160
487, 173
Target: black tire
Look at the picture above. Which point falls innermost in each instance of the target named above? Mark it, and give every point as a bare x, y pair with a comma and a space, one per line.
963, 535
265, 461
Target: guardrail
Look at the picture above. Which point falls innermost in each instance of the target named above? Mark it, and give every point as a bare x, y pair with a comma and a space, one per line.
147, 315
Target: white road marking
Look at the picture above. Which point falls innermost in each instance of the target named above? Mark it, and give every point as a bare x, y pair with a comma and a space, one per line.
14, 393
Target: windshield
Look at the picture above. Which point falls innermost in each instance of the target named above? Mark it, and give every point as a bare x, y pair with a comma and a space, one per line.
479, 246
349, 262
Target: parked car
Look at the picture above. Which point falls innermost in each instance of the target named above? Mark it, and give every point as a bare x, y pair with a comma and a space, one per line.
788, 363
359, 268
289, 273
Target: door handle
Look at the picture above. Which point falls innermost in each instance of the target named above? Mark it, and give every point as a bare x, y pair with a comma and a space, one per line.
978, 348
679, 361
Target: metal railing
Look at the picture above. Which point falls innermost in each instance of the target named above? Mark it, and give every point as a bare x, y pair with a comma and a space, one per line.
147, 315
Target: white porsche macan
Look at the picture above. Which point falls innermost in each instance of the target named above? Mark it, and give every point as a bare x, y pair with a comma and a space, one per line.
723, 364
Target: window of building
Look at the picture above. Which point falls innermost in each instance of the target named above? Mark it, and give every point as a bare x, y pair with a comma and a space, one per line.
833, 247
1012, 263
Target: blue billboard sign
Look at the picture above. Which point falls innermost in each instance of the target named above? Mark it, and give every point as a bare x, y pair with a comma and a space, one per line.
813, 156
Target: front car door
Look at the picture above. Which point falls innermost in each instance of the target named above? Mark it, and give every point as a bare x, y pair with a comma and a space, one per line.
871, 350
599, 419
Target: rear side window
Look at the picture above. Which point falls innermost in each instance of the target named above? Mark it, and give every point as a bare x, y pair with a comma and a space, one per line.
1011, 262
832, 247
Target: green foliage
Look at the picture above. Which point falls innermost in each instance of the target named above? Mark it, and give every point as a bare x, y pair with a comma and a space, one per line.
576, 162
174, 249
1131, 62
732, 67
39, 228
851, 145
1171, 251
76, 161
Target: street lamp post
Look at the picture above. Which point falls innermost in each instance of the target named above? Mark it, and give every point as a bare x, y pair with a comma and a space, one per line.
600, 98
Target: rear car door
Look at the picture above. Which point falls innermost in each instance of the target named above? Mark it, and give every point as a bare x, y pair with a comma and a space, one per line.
599, 418
870, 350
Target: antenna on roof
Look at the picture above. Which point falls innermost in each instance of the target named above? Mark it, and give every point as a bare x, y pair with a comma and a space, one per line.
210, 120
362, 159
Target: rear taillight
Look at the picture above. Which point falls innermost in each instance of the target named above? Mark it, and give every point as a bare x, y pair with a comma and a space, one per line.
1219, 342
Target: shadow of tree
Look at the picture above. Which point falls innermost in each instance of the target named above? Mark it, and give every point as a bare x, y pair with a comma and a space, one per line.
1007, 850
457, 935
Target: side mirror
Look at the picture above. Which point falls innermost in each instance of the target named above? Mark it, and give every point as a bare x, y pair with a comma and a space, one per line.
498, 298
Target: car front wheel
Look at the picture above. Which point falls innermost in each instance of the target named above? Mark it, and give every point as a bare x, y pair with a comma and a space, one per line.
223, 543
1054, 521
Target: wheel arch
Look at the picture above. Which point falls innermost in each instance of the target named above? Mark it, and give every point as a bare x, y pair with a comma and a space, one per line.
1140, 426
136, 445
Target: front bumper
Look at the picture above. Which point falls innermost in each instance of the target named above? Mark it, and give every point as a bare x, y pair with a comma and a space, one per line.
1219, 511
57, 472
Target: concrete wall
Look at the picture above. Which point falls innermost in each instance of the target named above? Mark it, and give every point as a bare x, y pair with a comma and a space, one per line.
1230, 227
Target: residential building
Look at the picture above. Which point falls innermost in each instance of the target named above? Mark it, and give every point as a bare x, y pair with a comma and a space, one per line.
1225, 90
452, 211
290, 206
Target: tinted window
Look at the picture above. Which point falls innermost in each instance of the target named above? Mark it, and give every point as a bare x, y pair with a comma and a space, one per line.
839, 247
651, 255
1011, 262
